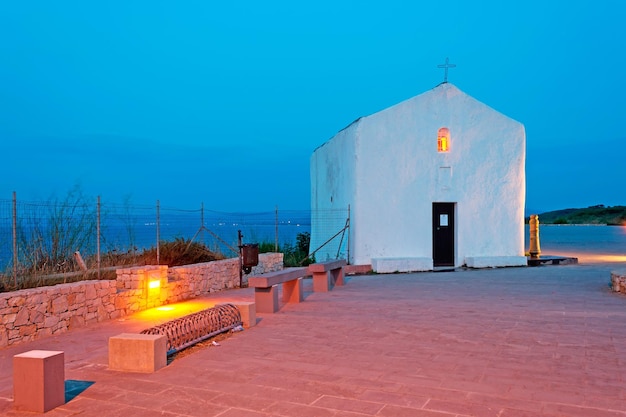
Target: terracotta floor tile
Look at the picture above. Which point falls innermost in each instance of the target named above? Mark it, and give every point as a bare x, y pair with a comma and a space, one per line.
288, 409
346, 404
396, 411
513, 342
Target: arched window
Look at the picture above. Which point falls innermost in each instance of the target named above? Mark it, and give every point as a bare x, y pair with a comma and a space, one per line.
443, 139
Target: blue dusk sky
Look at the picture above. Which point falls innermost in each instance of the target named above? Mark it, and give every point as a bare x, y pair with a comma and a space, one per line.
223, 103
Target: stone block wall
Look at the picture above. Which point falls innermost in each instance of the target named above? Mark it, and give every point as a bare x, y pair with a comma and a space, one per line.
618, 281
192, 280
183, 282
32, 313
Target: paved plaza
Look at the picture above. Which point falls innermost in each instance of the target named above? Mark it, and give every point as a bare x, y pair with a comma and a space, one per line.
512, 342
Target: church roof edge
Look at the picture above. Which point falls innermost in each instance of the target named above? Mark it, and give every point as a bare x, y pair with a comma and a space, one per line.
355, 121
445, 86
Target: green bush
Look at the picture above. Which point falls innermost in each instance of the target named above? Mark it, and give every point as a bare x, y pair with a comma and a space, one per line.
265, 247
293, 255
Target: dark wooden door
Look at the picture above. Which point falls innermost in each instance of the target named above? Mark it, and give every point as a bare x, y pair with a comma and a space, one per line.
443, 234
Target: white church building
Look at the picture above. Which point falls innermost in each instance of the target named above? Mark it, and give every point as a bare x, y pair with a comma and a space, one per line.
437, 180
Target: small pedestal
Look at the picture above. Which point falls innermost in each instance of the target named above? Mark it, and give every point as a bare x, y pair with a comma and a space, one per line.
247, 309
132, 352
38, 380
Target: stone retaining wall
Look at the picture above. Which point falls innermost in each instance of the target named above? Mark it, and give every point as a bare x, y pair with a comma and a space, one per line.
618, 281
28, 314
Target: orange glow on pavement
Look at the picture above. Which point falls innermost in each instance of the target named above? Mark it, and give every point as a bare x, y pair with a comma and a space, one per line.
158, 315
605, 258
594, 258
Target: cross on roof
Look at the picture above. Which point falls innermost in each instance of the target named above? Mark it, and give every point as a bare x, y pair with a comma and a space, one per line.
446, 66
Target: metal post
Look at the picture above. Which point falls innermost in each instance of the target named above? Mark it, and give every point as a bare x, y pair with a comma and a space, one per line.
349, 233
98, 219
276, 232
158, 232
240, 240
14, 239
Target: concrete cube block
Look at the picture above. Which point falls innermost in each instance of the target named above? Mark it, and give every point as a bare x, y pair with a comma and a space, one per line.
247, 309
38, 380
132, 352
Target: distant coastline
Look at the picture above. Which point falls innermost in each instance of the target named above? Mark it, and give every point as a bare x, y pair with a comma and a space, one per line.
578, 224
598, 215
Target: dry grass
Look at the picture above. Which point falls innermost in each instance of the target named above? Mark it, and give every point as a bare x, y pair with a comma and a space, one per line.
174, 253
179, 252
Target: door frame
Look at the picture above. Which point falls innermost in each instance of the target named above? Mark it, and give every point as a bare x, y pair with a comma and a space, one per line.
450, 249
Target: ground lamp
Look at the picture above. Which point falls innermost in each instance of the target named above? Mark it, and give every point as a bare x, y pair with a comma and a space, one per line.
153, 284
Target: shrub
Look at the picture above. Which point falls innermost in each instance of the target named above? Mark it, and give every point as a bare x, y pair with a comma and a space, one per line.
179, 252
292, 255
298, 255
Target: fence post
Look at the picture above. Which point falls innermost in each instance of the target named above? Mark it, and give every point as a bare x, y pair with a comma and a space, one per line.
276, 232
158, 232
98, 218
349, 232
14, 239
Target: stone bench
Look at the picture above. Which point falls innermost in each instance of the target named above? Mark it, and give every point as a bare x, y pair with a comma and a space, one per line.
266, 288
327, 274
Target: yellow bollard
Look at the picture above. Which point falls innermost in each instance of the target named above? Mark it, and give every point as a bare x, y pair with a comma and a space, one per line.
535, 249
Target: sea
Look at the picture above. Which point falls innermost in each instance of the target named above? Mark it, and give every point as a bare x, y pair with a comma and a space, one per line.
587, 243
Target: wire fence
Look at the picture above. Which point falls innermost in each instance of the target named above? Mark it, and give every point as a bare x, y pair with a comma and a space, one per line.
79, 235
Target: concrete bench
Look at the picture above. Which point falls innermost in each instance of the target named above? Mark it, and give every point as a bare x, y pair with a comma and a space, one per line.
327, 274
266, 288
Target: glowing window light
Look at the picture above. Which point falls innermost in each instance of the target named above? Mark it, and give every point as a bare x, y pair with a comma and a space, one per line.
154, 284
443, 139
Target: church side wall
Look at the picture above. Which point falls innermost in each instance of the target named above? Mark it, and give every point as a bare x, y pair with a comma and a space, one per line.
332, 188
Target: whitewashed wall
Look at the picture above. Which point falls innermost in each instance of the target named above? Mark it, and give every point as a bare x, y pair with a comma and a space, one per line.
333, 186
393, 176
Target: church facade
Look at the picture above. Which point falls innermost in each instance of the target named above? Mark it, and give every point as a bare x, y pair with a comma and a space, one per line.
435, 181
